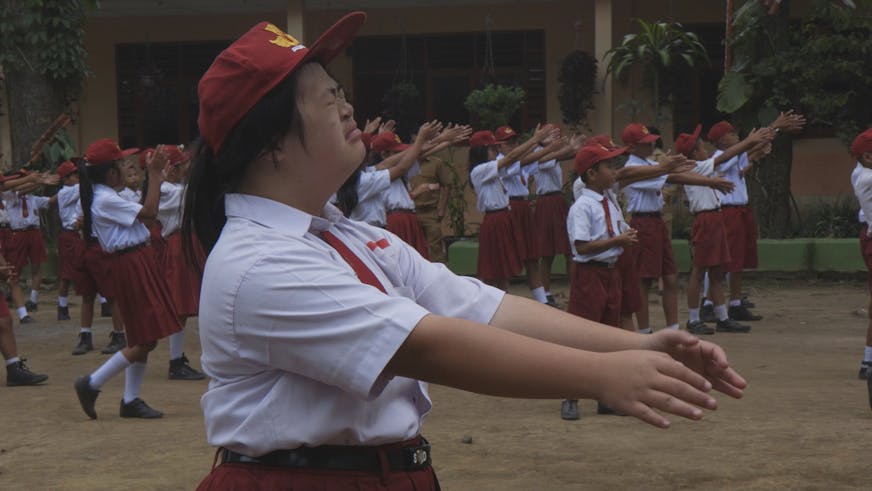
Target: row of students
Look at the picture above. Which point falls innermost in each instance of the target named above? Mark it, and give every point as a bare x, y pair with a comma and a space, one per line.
861, 181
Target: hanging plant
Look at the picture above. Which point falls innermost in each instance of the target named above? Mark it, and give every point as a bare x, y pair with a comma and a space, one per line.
494, 105
402, 102
577, 87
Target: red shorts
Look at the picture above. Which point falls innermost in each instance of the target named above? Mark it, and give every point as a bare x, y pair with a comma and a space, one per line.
93, 275
498, 257
5, 235
71, 249
26, 247
866, 251
549, 225
741, 237
631, 295
147, 309
709, 239
405, 225
595, 293
183, 279
654, 250
4, 310
522, 222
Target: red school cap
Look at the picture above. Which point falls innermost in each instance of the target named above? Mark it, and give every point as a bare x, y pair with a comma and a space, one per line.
175, 156
637, 133
66, 169
602, 139
144, 156
484, 138
862, 144
718, 131
253, 65
504, 133
127, 152
685, 142
387, 141
103, 151
589, 155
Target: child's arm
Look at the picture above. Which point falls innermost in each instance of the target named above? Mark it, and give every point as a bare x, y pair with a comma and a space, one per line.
670, 164
541, 133
693, 179
156, 163
544, 153
629, 237
400, 163
754, 138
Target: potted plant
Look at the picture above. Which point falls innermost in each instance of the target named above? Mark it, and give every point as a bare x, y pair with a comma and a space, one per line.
494, 105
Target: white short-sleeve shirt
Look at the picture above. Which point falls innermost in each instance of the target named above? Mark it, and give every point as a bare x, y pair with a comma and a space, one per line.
515, 178
732, 171
549, 177
644, 196
131, 195
15, 208
586, 222
114, 220
371, 190
703, 198
861, 181
169, 210
69, 206
296, 345
489, 188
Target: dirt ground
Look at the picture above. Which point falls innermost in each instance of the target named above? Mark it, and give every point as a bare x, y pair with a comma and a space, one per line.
805, 422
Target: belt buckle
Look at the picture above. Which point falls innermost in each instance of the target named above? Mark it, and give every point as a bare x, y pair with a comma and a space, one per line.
418, 457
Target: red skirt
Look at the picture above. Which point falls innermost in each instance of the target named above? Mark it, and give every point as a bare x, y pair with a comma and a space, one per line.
26, 246
742, 237
158, 244
5, 235
709, 239
631, 295
654, 249
595, 294
71, 249
866, 251
405, 225
549, 220
183, 279
93, 274
498, 257
522, 221
147, 309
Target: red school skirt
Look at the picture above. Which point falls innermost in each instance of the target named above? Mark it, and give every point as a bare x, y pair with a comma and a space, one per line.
549, 225
25, 246
92, 275
522, 221
142, 295
498, 257
5, 235
866, 251
158, 244
71, 250
183, 278
405, 225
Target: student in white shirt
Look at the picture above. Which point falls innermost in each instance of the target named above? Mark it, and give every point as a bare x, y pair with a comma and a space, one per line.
861, 181
138, 287
71, 247
26, 246
319, 333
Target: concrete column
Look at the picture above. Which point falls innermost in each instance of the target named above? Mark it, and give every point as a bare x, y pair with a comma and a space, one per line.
602, 122
5, 138
295, 26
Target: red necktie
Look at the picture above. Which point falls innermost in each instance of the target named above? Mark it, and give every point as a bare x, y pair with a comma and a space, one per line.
608, 216
24, 212
363, 273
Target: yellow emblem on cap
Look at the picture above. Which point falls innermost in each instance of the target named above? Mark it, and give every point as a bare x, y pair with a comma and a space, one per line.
397, 139
282, 39
645, 130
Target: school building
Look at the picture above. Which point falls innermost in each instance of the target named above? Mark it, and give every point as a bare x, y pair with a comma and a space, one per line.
147, 56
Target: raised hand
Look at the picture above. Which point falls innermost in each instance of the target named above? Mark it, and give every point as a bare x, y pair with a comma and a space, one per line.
388, 125
49, 179
722, 185
577, 141
372, 126
157, 160
429, 130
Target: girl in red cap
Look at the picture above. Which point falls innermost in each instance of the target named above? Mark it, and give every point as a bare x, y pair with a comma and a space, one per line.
139, 289
320, 333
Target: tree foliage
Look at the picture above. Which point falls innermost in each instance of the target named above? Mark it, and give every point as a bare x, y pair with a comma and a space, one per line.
577, 87
494, 105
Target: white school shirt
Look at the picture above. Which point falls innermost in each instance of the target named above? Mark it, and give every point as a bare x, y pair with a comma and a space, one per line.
861, 181
515, 178
587, 222
644, 196
17, 221
703, 198
169, 210
131, 195
371, 189
398, 197
731, 171
114, 220
69, 206
296, 345
488, 185
549, 176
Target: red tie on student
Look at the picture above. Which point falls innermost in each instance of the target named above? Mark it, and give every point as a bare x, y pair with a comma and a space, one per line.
24, 212
608, 216
363, 273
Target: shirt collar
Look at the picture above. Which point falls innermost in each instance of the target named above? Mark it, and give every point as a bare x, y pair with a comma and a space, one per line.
279, 216
636, 158
591, 194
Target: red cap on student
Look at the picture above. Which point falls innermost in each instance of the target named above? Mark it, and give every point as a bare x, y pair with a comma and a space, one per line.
387, 141
175, 156
686, 142
103, 151
144, 156
635, 133
603, 139
504, 133
253, 65
589, 155
718, 131
862, 144
127, 152
484, 138
66, 169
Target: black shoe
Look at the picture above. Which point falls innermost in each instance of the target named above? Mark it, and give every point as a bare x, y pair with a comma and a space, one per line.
105, 310
747, 303
117, 341
699, 327
18, 374
137, 408
865, 370
63, 313
85, 345
552, 303
31, 306
741, 313
731, 325
180, 369
707, 313
606, 410
569, 409
27, 320
87, 395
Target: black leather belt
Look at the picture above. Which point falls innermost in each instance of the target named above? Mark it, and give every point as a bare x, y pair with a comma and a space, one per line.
647, 214
599, 264
496, 211
713, 210
131, 248
401, 210
551, 193
734, 206
349, 458
4, 225
519, 198
25, 229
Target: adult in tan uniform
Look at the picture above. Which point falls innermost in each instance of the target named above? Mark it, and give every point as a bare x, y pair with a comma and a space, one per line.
431, 206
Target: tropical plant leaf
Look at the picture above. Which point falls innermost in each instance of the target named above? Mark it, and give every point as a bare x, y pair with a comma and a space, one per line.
734, 91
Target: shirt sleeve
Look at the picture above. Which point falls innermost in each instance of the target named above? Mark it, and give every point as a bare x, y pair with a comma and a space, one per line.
485, 172
443, 174
726, 166
580, 224
116, 209
655, 184
373, 183
171, 196
40, 202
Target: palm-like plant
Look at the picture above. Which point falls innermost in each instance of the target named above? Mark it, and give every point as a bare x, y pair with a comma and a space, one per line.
658, 49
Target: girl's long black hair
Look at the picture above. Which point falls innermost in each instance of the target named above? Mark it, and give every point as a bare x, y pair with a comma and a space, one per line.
88, 176
477, 155
214, 175
347, 197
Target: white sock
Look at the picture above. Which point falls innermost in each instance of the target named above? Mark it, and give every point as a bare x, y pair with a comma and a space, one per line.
705, 284
22, 312
101, 298
34, 296
735, 303
62, 301
539, 294
867, 354
113, 366
84, 329
708, 303
133, 376
12, 360
693, 315
646, 330
177, 344
721, 312
673, 326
